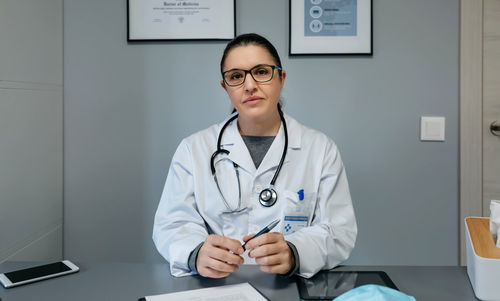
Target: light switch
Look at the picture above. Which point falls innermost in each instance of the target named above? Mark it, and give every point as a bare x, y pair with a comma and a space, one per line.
432, 128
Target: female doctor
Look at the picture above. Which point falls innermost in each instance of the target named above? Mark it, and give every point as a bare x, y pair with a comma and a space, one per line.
227, 182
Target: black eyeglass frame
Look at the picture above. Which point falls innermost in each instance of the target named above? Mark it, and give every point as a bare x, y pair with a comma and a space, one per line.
274, 67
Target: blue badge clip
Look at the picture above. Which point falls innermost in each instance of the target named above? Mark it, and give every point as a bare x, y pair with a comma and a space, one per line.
301, 194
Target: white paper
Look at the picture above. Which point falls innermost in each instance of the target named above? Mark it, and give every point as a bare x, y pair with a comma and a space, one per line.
495, 221
234, 292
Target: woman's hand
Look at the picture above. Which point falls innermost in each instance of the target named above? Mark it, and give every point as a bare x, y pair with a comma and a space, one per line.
271, 252
219, 256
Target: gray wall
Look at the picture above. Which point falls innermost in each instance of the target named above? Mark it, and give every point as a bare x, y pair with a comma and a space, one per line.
31, 138
128, 105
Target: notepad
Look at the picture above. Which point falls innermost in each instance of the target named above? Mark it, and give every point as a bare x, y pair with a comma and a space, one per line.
235, 292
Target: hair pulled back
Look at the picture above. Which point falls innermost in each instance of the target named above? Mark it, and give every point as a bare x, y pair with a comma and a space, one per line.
251, 39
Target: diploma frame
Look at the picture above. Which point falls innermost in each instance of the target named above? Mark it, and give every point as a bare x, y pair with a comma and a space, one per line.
163, 21
360, 43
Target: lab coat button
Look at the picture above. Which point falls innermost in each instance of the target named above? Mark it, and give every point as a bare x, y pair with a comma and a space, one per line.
257, 189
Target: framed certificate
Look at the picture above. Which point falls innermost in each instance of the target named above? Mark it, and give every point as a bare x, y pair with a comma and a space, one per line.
150, 20
331, 27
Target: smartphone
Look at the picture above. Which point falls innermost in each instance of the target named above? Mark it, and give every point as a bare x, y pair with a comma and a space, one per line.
41, 272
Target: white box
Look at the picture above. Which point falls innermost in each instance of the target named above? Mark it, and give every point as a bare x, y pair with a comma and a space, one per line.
483, 259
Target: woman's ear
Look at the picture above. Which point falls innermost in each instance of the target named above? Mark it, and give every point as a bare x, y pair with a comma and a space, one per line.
283, 77
223, 85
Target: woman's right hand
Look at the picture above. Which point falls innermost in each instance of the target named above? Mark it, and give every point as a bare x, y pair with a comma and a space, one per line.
219, 256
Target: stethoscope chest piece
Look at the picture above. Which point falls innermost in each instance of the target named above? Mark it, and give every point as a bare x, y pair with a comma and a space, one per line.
268, 197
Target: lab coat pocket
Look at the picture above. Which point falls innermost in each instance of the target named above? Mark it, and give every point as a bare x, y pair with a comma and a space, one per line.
298, 211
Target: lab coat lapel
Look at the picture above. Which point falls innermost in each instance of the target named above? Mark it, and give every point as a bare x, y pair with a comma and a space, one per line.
273, 156
238, 151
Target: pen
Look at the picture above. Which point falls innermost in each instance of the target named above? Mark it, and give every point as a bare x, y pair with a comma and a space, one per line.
265, 230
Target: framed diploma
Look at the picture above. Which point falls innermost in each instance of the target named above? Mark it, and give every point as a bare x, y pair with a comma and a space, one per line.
150, 20
331, 27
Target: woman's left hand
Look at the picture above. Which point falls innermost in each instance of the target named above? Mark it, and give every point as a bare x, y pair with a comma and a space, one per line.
271, 252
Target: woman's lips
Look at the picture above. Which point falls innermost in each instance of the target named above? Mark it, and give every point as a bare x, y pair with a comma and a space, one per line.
253, 99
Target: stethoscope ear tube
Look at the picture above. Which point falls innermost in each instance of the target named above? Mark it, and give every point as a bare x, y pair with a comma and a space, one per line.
212, 160
282, 160
219, 147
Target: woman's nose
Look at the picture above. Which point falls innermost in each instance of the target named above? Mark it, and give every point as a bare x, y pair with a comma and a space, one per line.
249, 83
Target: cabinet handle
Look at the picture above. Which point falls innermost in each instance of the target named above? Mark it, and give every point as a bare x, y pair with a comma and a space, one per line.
495, 128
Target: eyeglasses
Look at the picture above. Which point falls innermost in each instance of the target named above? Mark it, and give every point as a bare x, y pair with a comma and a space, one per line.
260, 73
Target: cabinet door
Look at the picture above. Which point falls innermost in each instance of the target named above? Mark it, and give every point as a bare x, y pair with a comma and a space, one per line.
31, 150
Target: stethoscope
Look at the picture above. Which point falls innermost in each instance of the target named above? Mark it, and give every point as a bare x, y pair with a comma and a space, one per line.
268, 196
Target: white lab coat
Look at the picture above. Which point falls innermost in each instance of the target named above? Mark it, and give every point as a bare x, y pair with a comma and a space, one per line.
190, 206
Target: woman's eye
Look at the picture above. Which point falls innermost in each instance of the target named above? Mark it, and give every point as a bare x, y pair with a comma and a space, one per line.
261, 71
235, 75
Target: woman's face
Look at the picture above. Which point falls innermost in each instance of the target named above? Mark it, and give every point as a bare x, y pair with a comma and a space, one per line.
253, 101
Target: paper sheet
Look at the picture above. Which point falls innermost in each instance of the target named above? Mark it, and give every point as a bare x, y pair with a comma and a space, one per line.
235, 292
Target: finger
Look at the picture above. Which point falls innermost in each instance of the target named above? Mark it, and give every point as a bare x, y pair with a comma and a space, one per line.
279, 263
216, 259
263, 239
224, 256
271, 260
266, 250
205, 260
274, 269
220, 266
248, 237
211, 273
225, 243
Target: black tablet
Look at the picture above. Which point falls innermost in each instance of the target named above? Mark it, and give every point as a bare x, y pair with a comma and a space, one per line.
327, 285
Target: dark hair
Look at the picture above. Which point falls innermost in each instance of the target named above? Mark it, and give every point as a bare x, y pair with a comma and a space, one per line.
251, 39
